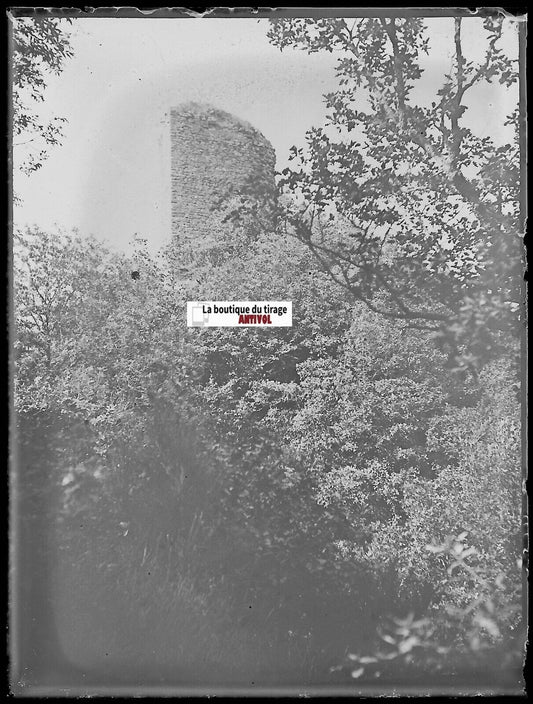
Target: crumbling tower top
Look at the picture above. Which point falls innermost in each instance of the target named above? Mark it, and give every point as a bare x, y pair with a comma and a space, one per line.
214, 156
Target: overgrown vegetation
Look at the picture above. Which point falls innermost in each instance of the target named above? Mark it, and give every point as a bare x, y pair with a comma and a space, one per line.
336, 500
276, 490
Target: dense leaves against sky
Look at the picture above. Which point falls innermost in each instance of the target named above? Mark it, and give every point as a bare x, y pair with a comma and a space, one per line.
40, 47
430, 209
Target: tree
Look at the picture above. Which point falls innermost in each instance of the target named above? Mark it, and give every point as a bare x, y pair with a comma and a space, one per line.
400, 201
40, 47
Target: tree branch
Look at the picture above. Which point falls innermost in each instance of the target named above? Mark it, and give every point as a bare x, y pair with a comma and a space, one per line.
456, 110
390, 28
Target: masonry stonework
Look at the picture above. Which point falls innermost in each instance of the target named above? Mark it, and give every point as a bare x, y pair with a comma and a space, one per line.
214, 155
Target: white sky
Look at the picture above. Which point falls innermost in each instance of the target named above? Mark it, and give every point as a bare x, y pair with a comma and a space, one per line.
111, 176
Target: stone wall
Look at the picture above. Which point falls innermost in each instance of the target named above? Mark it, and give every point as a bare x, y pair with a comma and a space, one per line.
214, 156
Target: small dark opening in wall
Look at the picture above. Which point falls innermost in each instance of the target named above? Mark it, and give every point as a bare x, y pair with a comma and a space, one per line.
135, 275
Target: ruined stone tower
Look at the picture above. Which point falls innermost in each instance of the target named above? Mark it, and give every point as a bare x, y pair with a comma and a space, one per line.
215, 157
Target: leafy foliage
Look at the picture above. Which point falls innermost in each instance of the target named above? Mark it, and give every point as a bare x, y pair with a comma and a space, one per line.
292, 476
400, 201
40, 47
418, 646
